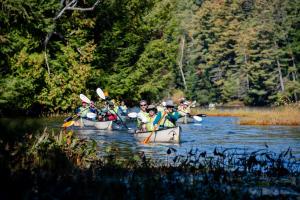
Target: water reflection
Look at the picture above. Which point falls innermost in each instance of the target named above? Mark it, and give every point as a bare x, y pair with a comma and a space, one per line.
212, 132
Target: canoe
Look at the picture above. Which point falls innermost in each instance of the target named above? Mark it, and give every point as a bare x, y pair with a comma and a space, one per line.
185, 120
169, 135
102, 125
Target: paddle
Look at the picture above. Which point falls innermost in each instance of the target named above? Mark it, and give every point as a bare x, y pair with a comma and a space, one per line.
147, 140
68, 121
100, 93
195, 117
68, 124
91, 115
132, 115
102, 96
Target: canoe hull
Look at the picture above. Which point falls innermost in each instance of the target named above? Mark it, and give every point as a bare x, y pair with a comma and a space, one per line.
185, 120
101, 125
170, 135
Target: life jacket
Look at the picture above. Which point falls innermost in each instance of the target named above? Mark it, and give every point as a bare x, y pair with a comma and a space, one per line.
83, 111
149, 125
111, 115
123, 110
184, 111
142, 116
169, 120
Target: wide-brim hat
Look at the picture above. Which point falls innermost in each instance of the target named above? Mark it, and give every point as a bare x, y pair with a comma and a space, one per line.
169, 103
151, 107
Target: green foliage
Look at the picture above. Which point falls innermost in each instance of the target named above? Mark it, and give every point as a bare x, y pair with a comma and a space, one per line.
245, 50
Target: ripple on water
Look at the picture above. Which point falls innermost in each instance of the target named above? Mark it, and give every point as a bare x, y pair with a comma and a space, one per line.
210, 133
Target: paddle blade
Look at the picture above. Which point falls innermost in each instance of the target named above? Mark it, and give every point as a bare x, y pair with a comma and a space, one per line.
68, 119
197, 118
147, 140
132, 115
84, 98
100, 93
68, 124
91, 115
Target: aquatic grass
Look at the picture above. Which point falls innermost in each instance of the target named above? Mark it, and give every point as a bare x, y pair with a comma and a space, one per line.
62, 166
286, 115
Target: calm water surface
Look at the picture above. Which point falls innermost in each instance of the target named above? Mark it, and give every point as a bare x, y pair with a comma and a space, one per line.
221, 132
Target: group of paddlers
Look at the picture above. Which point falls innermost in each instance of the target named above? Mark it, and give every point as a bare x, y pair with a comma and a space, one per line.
110, 112
149, 118
165, 115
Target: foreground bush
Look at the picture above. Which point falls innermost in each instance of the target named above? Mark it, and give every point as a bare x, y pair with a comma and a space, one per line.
61, 166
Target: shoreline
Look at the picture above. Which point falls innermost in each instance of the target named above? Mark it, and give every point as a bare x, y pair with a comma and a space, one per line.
283, 116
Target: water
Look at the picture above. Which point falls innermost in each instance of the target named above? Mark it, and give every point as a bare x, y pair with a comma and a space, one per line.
212, 132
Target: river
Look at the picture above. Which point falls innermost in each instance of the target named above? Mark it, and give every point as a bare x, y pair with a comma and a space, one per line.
212, 132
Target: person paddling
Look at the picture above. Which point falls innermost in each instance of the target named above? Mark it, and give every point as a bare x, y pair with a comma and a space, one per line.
123, 109
184, 108
142, 116
151, 117
82, 110
170, 118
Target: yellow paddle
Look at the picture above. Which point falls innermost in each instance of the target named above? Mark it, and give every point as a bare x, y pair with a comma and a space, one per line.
70, 120
147, 140
68, 124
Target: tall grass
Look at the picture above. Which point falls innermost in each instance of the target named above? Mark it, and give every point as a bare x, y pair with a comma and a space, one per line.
61, 166
286, 115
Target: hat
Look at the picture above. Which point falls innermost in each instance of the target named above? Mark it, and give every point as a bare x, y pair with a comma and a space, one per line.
110, 103
169, 103
143, 101
151, 107
186, 103
83, 102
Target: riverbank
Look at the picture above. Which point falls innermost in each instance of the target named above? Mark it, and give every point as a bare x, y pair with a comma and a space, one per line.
283, 116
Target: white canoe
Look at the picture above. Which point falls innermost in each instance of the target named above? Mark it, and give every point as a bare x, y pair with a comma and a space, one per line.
102, 125
170, 135
185, 120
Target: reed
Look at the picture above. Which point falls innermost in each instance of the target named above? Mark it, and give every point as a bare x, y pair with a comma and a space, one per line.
62, 166
284, 116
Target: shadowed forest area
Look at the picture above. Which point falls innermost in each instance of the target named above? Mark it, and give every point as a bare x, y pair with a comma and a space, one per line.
213, 51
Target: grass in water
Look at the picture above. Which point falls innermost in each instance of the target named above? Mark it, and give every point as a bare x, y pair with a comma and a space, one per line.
62, 166
285, 116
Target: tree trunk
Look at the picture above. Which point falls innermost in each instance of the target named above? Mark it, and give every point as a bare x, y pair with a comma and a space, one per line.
294, 75
280, 75
279, 70
182, 43
247, 76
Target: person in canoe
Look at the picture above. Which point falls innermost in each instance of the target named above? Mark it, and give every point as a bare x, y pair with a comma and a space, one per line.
123, 109
151, 117
170, 116
184, 108
93, 109
142, 116
82, 110
161, 107
108, 113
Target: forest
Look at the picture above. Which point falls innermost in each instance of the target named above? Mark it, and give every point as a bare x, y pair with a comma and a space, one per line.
210, 50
